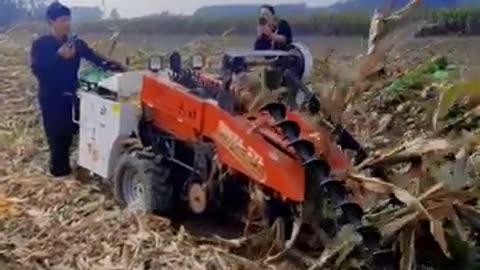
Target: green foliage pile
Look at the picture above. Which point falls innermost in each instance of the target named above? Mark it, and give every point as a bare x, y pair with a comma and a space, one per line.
438, 70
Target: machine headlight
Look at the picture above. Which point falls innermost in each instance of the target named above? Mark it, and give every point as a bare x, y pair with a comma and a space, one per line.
198, 61
155, 63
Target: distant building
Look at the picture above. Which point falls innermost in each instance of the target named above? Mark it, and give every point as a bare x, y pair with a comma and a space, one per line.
83, 14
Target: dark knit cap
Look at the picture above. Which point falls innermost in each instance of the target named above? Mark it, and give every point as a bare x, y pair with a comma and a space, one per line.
56, 10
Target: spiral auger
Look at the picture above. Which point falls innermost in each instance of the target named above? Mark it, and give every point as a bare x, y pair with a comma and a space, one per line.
317, 171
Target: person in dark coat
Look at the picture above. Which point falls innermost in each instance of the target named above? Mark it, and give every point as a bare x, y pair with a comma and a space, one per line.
272, 33
55, 61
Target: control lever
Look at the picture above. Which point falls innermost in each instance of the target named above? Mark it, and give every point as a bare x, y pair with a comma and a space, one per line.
294, 85
346, 141
176, 62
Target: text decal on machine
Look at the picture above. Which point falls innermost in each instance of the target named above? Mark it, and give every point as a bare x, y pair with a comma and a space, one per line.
246, 156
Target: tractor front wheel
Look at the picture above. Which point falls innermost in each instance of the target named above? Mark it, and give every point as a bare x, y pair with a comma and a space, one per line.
141, 184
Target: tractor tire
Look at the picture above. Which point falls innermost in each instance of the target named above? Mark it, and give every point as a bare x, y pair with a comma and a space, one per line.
142, 184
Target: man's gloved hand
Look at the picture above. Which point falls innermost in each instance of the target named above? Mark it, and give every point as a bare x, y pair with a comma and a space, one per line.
115, 66
66, 51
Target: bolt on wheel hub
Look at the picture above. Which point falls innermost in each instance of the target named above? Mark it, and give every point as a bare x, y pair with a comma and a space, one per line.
197, 198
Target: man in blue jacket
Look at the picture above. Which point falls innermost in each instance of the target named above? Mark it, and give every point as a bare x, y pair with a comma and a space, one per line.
55, 61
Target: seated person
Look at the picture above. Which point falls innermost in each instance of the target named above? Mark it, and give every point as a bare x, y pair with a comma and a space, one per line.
272, 33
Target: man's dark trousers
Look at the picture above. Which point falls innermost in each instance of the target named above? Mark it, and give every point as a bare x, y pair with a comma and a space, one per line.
59, 130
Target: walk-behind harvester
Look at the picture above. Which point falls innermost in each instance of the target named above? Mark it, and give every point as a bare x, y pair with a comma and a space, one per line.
175, 139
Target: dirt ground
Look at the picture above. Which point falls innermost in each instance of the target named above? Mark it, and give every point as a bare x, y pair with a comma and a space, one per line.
71, 225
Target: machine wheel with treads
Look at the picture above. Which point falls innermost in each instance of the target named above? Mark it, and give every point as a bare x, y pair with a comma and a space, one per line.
139, 183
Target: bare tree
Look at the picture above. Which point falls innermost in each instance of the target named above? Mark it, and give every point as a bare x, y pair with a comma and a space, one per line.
114, 15
382, 23
12, 11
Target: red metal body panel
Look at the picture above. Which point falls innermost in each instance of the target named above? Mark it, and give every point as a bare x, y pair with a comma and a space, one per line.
191, 118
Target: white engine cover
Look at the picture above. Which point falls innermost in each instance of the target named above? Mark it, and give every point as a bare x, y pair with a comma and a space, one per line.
103, 124
124, 84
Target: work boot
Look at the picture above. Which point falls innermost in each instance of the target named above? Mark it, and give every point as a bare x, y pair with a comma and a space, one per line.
60, 173
80, 174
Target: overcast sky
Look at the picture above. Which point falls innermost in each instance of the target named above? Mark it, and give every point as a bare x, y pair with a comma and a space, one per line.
133, 8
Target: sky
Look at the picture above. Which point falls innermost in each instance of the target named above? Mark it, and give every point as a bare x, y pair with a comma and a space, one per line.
135, 8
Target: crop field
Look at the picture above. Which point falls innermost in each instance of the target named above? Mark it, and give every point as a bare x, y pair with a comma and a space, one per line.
75, 224
464, 48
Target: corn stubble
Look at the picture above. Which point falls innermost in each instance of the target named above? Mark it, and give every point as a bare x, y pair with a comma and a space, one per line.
72, 225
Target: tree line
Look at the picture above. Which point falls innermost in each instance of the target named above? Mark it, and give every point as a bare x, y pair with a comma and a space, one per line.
464, 21
442, 21
13, 11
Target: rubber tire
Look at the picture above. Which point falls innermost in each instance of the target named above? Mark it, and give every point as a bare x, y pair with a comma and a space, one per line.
158, 189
